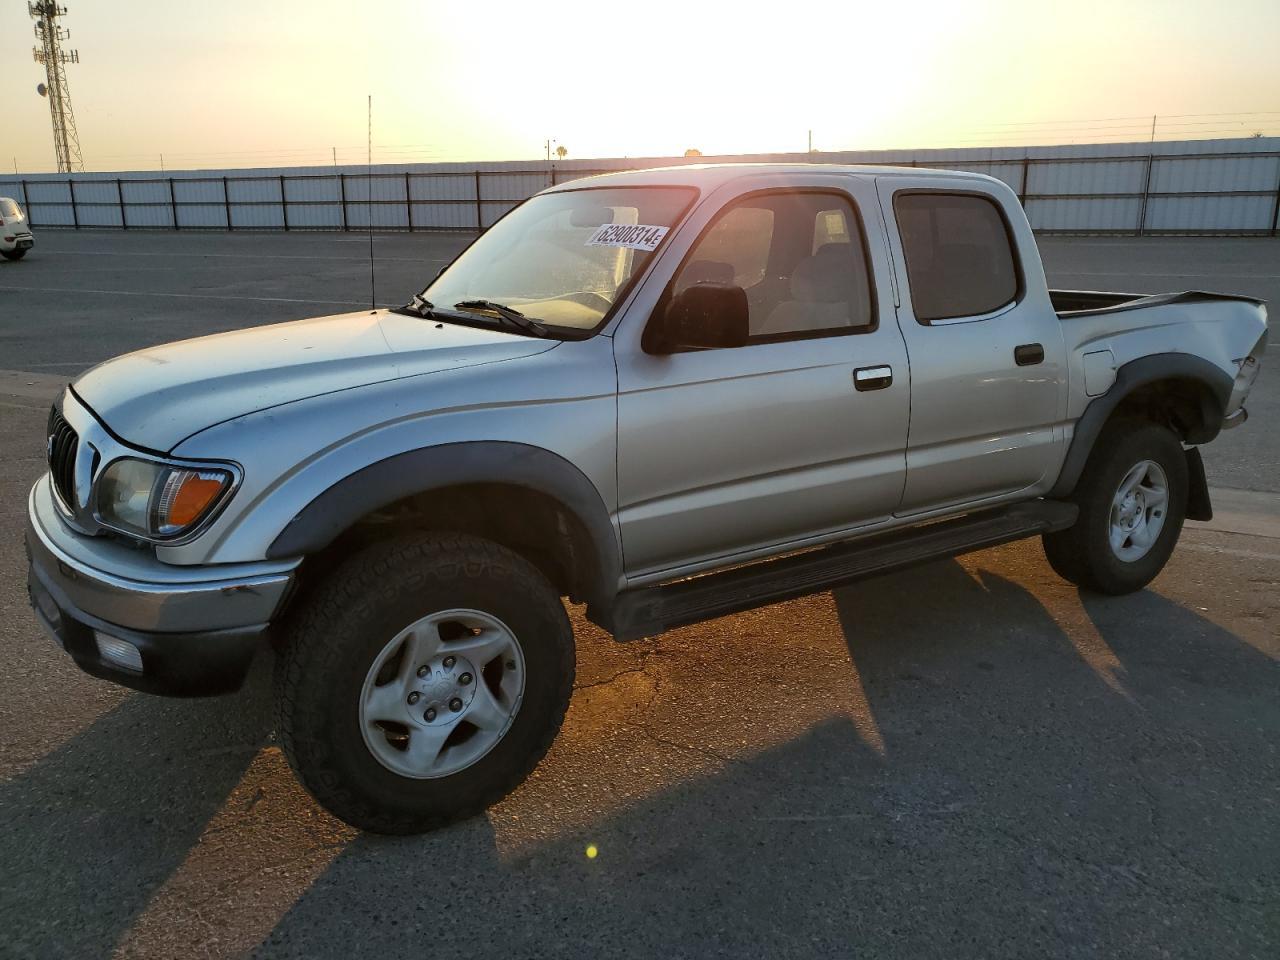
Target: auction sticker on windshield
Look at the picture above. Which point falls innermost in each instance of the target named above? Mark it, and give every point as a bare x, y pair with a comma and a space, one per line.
636, 236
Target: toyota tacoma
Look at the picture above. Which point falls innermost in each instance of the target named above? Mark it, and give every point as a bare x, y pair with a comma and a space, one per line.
666, 395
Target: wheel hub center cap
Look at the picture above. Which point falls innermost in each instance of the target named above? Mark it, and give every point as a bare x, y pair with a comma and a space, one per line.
445, 690
1131, 510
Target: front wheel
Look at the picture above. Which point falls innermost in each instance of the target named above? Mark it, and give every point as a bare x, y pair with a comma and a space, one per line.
1133, 498
423, 681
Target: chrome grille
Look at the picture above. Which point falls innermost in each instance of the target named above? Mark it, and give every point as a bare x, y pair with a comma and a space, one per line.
62, 445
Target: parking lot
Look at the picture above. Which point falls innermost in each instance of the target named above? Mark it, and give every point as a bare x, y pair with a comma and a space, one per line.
968, 759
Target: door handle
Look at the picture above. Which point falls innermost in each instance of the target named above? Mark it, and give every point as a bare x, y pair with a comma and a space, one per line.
1028, 354
873, 378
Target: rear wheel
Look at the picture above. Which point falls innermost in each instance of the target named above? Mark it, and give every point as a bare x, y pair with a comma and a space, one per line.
13, 254
1133, 498
423, 682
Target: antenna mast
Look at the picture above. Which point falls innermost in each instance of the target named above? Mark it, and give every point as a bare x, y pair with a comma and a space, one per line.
373, 280
66, 142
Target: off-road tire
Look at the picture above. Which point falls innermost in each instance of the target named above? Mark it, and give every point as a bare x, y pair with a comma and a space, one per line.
14, 254
1082, 553
349, 617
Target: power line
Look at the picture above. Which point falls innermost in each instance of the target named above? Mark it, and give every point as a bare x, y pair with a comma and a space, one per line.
1247, 113
1144, 118
1094, 134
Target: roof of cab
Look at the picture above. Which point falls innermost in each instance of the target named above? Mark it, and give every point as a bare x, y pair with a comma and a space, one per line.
710, 175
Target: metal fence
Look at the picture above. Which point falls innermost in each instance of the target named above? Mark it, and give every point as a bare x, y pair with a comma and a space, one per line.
1215, 187
402, 200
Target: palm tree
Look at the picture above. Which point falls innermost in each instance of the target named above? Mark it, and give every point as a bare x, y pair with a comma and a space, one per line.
561, 151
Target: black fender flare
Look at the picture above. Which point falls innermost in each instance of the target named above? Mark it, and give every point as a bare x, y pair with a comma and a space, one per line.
420, 471
1130, 377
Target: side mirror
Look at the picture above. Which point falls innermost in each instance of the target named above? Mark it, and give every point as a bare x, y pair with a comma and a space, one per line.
706, 316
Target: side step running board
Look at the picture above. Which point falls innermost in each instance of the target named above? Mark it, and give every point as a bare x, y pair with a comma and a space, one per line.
649, 611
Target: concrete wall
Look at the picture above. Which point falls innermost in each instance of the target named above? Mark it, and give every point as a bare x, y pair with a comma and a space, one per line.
1198, 186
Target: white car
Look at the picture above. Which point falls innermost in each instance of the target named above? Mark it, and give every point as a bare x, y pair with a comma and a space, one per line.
15, 237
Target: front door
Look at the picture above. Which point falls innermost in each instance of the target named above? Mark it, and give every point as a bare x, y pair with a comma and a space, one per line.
799, 433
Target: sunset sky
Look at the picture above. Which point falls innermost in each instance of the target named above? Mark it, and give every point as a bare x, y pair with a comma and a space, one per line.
243, 84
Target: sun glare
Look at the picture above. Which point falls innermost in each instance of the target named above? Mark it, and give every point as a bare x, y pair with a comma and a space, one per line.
710, 77
457, 82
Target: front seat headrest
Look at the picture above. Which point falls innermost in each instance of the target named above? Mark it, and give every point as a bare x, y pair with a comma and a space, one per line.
826, 277
706, 271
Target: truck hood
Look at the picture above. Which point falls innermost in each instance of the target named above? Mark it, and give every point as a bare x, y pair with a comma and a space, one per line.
157, 397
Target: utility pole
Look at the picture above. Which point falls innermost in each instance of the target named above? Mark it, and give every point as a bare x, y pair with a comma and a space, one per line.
66, 142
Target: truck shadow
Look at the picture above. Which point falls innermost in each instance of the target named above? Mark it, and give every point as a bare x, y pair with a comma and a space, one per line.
1024, 805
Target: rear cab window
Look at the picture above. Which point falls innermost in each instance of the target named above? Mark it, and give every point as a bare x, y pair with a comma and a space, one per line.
959, 254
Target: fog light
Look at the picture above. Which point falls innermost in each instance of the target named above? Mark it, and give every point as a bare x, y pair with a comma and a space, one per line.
121, 653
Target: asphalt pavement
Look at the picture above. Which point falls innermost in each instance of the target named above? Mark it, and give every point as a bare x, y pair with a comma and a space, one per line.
970, 759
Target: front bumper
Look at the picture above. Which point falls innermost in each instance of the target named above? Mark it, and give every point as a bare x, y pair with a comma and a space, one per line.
195, 629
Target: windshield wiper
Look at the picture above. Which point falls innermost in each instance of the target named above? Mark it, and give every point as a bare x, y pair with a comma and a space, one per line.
510, 314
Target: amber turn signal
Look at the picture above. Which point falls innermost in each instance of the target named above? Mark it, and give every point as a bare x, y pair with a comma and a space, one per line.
185, 497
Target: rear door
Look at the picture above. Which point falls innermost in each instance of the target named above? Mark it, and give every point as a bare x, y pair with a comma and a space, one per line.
986, 347
799, 433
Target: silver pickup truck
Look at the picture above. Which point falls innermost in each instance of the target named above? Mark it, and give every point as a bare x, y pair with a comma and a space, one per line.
668, 395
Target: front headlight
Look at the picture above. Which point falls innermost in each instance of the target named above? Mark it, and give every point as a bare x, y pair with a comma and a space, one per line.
157, 500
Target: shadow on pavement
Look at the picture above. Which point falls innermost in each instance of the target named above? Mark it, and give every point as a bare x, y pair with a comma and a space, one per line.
1007, 817
81, 853
1022, 806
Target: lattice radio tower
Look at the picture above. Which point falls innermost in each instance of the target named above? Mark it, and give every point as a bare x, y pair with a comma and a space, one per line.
66, 143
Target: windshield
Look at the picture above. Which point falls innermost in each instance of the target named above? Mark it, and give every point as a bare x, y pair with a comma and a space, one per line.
564, 258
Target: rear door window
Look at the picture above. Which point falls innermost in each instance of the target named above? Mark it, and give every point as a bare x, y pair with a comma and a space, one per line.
960, 259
